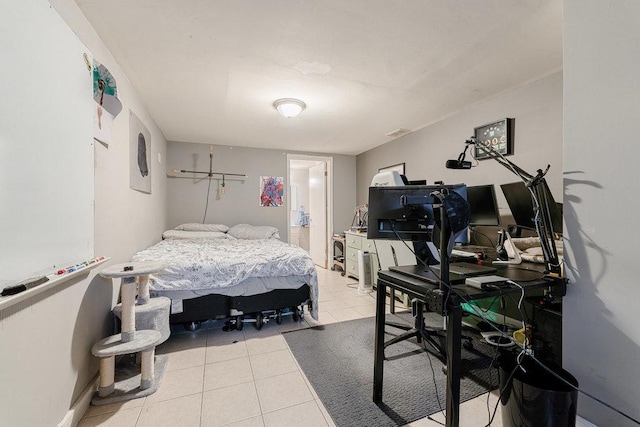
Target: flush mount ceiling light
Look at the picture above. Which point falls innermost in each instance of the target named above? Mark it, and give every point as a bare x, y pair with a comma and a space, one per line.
289, 107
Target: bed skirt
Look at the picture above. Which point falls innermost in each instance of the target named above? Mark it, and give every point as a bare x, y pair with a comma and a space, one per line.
216, 306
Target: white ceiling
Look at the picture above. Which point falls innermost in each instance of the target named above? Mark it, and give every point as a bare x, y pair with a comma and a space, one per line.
209, 70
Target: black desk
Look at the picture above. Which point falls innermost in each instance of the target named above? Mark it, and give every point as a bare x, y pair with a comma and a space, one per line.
528, 275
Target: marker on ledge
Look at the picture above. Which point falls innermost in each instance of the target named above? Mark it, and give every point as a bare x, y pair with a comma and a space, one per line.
76, 267
64, 270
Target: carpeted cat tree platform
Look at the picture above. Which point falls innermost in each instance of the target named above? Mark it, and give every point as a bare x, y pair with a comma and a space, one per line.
144, 324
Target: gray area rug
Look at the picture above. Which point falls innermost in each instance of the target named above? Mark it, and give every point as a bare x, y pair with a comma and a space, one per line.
338, 361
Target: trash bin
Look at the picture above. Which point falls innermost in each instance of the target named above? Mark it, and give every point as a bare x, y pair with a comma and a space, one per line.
536, 398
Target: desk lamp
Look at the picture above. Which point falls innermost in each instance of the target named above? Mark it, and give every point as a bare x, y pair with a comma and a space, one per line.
537, 187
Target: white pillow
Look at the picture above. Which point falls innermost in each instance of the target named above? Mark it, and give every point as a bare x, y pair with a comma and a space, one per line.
533, 243
182, 234
535, 251
194, 226
253, 232
524, 243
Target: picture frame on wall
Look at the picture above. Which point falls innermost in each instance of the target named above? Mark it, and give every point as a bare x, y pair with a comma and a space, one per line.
271, 191
398, 168
497, 135
139, 155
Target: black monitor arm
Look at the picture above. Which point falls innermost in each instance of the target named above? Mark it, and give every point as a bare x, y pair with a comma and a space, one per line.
537, 187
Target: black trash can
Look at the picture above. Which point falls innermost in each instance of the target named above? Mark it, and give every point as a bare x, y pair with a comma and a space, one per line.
536, 398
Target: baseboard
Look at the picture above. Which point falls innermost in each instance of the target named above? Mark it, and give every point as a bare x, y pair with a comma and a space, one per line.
80, 406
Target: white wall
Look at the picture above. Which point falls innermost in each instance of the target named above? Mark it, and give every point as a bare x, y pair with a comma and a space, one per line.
537, 110
299, 179
240, 203
57, 328
601, 204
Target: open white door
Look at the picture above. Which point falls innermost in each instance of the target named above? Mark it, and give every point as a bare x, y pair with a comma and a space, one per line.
318, 214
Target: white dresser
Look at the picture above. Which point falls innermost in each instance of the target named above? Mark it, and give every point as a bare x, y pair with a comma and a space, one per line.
356, 241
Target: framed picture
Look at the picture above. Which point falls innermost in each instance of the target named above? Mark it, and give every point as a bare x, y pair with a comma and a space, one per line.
398, 168
271, 191
139, 155
497, 135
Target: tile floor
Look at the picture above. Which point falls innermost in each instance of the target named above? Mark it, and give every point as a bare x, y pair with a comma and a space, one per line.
250, 378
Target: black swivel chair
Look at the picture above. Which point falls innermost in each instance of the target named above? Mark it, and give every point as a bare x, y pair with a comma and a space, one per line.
434, 336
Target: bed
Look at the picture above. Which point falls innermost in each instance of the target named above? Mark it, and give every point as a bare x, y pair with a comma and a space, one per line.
241, 272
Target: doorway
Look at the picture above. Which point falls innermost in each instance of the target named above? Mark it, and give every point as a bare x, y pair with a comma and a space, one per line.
310, 205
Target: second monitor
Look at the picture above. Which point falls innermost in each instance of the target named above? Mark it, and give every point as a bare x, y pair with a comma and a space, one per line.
483, 205
519, 200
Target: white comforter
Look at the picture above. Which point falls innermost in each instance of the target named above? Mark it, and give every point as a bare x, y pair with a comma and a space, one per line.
205, 264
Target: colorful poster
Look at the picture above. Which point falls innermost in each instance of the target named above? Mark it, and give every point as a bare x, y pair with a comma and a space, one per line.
271, 191
105, 93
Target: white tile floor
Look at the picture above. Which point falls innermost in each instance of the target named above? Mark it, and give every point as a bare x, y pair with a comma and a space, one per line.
249, 377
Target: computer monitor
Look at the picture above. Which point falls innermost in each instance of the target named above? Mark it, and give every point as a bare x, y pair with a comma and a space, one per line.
405, 212
483, 206
519, 200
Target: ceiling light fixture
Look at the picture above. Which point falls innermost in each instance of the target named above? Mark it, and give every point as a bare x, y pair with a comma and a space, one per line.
289, 107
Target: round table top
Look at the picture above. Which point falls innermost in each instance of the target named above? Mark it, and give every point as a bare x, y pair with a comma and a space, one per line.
132, 269
114, 346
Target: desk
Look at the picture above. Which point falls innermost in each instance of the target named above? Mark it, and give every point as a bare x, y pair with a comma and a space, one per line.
528, 275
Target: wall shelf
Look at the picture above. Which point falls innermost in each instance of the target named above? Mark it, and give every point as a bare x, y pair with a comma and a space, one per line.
54, 280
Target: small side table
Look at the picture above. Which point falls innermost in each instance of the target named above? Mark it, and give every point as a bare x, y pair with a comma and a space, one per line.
134, 275
338, 253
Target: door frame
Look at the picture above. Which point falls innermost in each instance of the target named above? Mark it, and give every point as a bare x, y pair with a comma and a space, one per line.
329, 189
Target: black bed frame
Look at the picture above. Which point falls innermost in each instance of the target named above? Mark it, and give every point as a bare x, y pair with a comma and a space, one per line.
214, 306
